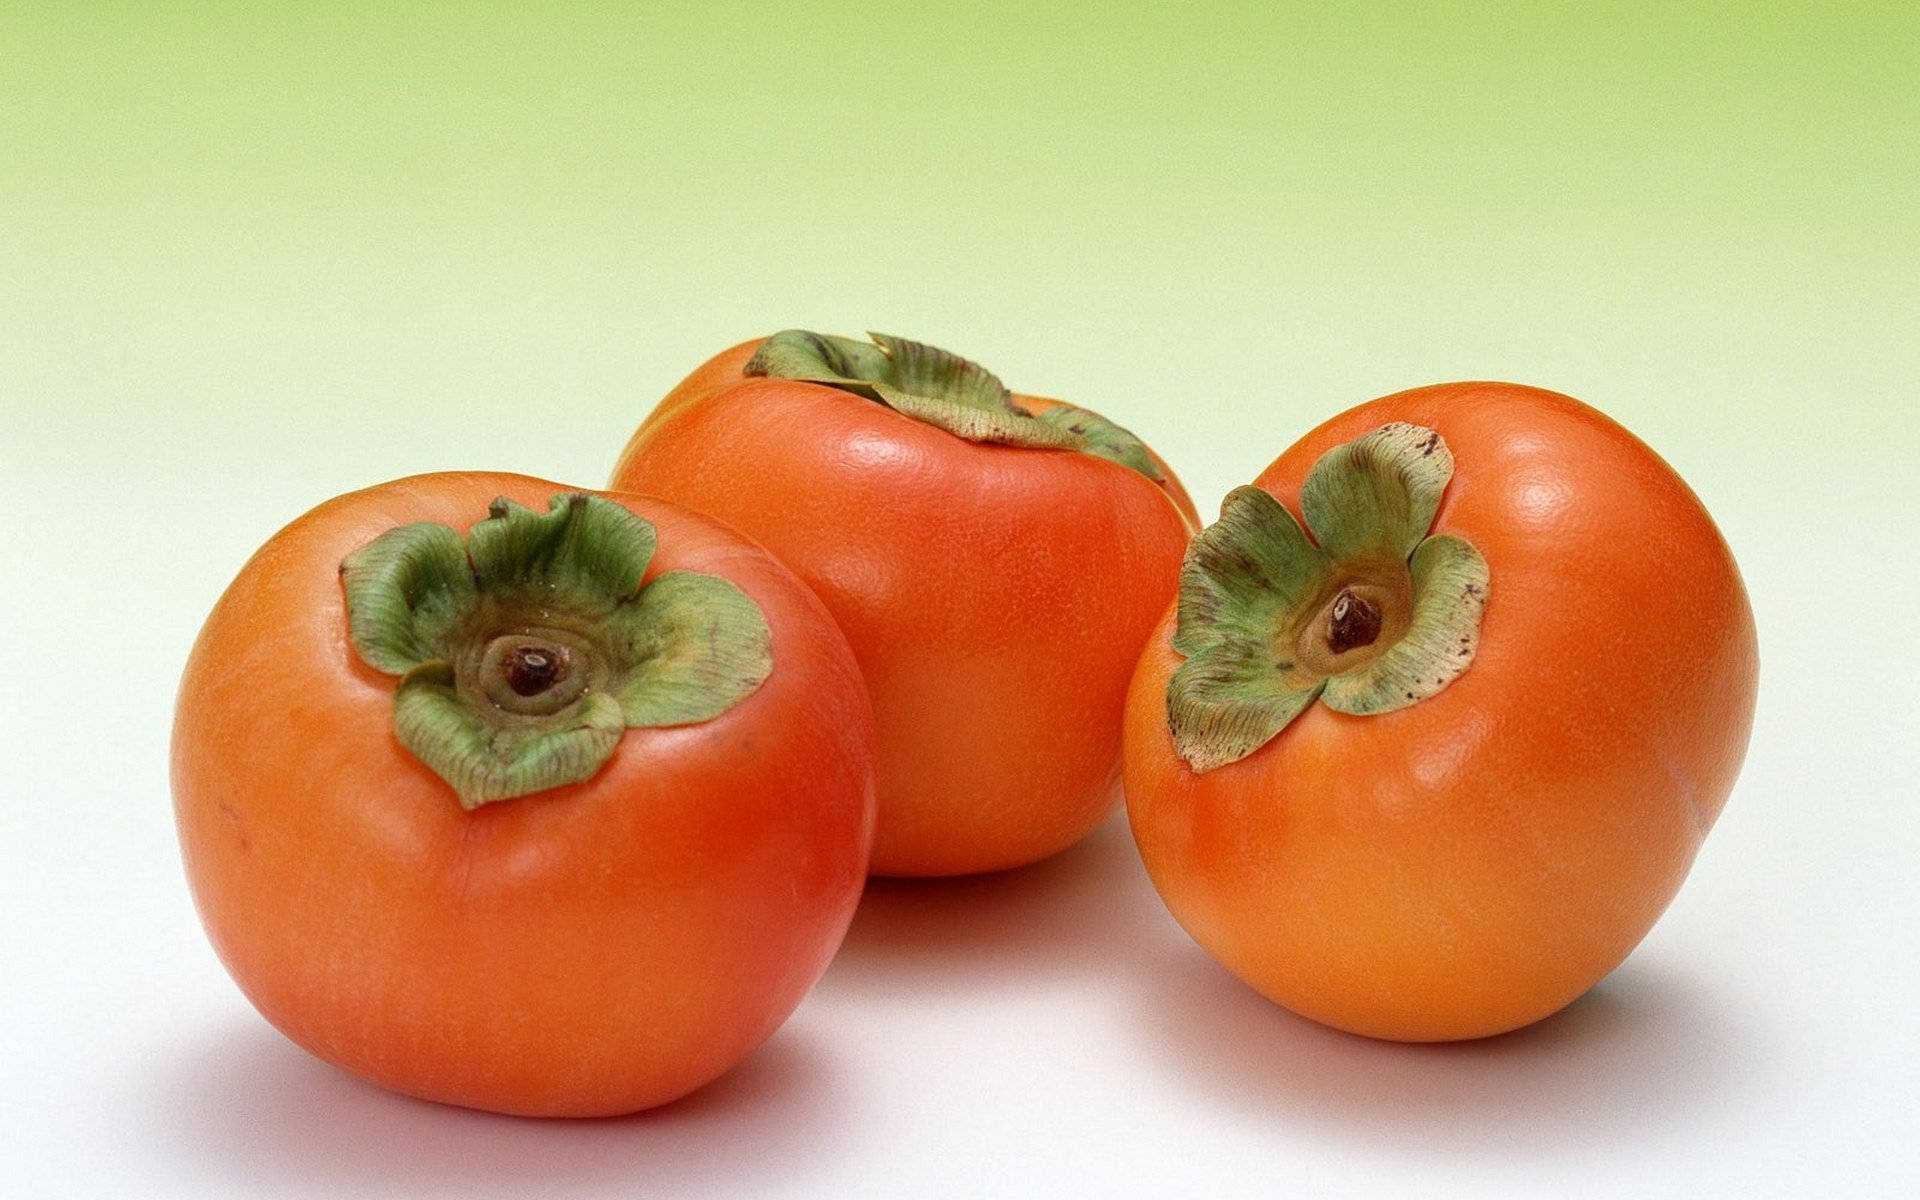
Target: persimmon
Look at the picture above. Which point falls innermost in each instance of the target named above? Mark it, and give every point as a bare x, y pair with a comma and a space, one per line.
545, 812
1429, 767
995, 560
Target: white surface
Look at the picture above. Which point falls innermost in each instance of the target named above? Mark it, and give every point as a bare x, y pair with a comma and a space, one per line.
1048, 1032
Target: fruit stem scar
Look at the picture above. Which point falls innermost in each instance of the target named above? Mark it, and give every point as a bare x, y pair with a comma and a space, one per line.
532, 669
1354, 623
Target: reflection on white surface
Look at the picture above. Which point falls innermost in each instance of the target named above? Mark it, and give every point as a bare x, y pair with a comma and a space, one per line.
1048, 1023
240, 1106
1637, 1060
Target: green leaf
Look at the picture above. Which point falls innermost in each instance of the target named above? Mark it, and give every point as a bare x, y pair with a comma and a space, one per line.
1226, 703
406, 590
1449, 597
698, 645
999, 426
1244, 573
485, 760
1244, 578
1102, 438
924, 370
945, 390
1375, 497
820, 358
584, 547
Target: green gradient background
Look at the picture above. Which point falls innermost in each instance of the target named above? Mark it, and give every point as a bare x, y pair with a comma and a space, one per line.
254, 255
261, 220
274, 252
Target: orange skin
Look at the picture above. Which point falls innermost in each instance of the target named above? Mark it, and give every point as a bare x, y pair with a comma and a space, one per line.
996, 597
583, 951
1472, 863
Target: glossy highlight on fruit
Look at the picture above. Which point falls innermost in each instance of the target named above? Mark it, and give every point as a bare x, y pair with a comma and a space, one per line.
1469, 852
995, 560
506, 795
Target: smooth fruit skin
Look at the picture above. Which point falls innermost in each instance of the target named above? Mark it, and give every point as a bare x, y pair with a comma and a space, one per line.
588, 950
1475, 862
996, 597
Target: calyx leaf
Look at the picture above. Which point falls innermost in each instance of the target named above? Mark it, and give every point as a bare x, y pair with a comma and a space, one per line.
698, 646
433, 718
586, 546
527, 650
1228, 702
945, 390
407, 590
1377, 494
1244, 573
1254, 582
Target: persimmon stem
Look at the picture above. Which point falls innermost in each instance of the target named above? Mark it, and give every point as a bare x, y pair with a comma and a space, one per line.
535, 668
1353, 622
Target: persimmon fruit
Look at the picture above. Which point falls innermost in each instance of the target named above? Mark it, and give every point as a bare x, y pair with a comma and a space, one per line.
548, 812
1448, 701
996, 561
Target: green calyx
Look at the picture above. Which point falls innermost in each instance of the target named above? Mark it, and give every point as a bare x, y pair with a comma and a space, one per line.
525, 651
945, 390
1367, 615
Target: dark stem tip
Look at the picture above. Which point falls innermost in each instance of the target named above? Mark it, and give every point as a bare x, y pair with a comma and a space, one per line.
1353, 622
533, 669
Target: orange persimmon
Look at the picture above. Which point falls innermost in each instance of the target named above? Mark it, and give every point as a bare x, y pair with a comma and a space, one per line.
995, 560
1431, 766
548, 813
